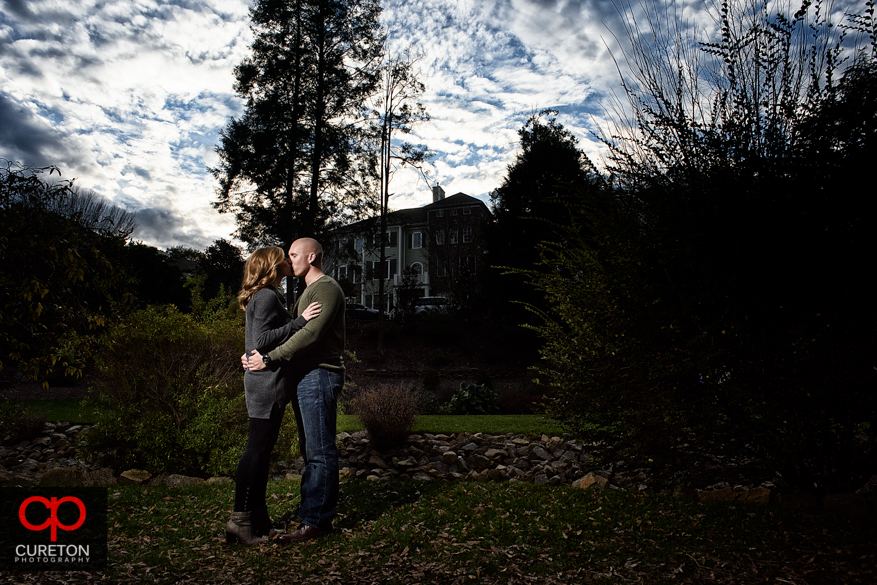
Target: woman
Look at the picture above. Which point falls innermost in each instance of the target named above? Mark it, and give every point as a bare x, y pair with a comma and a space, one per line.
267, 391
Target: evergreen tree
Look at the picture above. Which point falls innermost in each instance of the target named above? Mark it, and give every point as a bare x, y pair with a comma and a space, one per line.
532, 201
287, 165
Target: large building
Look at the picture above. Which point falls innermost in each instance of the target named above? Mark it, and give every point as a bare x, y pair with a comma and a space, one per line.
441, 245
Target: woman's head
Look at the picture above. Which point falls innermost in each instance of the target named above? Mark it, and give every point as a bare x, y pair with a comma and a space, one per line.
262, 268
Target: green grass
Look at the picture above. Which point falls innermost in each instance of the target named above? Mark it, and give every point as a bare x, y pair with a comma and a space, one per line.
524, 424
66, 409
399, 532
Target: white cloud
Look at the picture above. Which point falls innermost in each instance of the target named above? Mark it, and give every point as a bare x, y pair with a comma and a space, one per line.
130, 95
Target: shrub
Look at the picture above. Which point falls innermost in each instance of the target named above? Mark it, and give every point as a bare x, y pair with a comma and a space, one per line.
17, 423
170, 397
387, 412
474, 399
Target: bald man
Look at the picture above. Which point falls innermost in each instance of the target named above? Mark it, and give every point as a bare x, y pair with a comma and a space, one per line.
314, 356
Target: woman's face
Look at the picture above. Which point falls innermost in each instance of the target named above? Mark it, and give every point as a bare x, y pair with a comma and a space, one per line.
284, 268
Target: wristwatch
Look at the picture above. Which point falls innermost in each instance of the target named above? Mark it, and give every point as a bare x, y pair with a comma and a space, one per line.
266, 359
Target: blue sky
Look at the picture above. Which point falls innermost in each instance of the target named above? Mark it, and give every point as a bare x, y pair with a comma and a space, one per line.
129, 96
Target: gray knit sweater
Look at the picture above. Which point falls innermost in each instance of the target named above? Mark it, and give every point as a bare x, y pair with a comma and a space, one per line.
268, 325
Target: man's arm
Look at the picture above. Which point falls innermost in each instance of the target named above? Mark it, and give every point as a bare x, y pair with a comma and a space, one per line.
314, 329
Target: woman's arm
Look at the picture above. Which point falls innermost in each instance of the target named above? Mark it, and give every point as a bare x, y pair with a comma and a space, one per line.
265, 337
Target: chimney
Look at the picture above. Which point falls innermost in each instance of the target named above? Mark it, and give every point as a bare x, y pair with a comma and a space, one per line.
437, 194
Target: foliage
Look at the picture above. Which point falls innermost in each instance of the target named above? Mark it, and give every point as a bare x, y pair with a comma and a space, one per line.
716, 288
387, 411
287, 165
406, 295
549, 168
473, 399
58, 284
157, 279
169, 393
18, 423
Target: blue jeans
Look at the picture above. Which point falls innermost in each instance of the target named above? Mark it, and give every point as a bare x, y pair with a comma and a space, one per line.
316, 409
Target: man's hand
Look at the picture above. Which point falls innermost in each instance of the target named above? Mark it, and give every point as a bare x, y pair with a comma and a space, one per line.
255, 363
312, 311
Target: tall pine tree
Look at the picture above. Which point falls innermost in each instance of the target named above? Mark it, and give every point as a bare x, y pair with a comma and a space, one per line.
288, 165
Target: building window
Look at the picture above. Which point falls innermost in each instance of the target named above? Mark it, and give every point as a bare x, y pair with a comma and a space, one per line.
467, 211
467, 235
357, 245
454, 211
342, 272
417, 267
440, 213
441, 268
453, 236
440, 237
416, 241
356, 274
392, 240
389, 270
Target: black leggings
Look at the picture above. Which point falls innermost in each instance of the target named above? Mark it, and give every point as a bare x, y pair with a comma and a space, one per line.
251, 478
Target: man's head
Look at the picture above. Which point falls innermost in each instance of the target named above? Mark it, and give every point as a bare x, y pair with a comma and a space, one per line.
306, 255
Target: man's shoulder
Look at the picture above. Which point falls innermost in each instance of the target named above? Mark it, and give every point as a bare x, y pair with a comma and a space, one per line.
326, 285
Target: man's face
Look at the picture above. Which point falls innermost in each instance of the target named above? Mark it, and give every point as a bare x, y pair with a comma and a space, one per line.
299, 259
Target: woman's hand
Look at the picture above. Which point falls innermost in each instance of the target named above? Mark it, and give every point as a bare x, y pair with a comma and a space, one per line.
312, 311
244, 361
255, 363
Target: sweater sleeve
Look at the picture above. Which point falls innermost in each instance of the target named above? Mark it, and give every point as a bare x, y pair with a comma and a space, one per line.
265, 337
314, 329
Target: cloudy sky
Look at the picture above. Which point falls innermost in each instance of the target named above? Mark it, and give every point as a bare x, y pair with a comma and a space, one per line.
129, 96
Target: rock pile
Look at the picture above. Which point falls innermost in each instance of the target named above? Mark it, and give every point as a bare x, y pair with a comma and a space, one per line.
483, 457
50, 459
28, 461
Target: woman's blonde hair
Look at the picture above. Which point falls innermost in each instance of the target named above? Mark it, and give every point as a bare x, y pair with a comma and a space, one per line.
260, 271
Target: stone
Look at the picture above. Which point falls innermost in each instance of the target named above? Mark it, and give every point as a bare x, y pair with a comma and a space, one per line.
102, 476
685, 493
721, 495
494, 453
540, 453
801, 501
219, 480
175, 480
477, 461
498, 473
449, 458
63, 476
759, 496
848, 505
376, 461
134, 476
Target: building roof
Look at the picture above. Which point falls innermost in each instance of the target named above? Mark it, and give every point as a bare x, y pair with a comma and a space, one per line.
417, 215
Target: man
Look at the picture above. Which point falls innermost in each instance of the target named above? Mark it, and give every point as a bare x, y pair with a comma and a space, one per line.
314, 356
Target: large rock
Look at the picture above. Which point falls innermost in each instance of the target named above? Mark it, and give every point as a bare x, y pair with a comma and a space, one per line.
134, 476
64, 476
759, 496
175, 480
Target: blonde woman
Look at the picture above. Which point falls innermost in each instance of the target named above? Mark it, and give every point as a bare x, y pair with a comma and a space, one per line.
267, 391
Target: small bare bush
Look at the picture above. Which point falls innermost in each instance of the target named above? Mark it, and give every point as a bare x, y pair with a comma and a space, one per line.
387, 411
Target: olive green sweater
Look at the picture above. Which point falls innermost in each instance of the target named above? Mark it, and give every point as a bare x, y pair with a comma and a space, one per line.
320, 343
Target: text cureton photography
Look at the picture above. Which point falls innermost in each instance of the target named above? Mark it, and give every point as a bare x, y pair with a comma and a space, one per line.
53, 528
